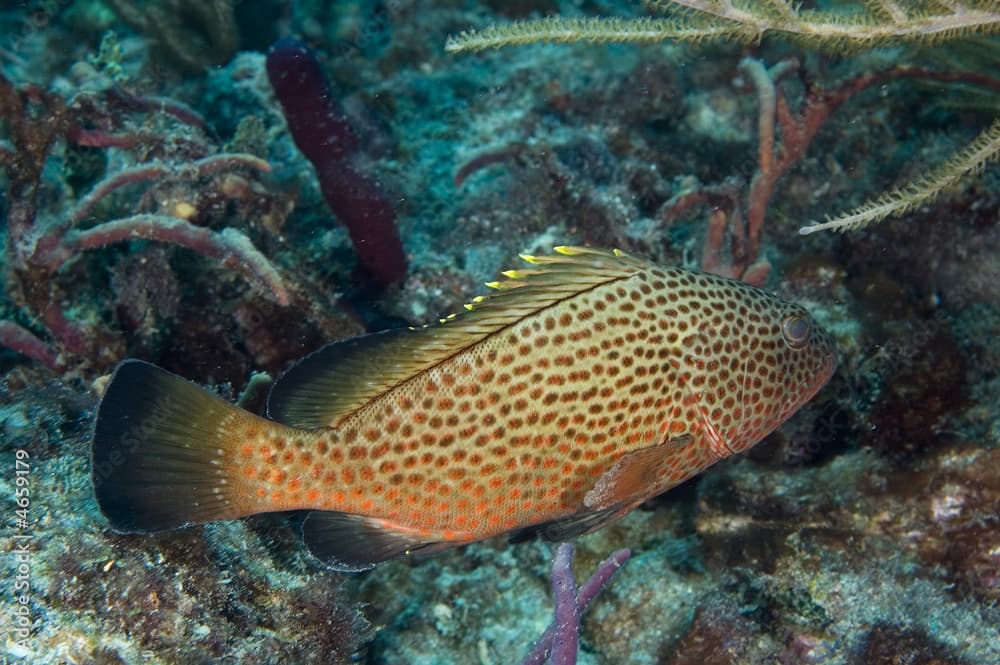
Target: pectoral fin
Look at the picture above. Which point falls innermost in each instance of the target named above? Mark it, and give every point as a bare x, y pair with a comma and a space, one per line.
635, 477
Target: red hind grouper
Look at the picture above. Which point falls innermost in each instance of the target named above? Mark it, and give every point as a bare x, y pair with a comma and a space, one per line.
588, 384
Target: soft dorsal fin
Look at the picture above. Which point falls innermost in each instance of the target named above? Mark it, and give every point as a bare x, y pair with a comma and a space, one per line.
329, 384
324, 388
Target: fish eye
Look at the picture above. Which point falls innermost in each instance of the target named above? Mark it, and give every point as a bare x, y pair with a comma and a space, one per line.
796, 330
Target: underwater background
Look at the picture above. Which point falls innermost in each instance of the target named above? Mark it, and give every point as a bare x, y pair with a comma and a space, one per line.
168, 195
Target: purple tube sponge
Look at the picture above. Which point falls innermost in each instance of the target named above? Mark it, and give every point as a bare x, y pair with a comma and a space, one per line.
326, 138
559, 644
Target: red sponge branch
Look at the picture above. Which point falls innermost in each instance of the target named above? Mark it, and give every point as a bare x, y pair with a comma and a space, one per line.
324, 135
21, 340
151, 172
231, 247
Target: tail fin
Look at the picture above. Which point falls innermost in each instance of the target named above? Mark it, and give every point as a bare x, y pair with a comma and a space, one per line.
159, 450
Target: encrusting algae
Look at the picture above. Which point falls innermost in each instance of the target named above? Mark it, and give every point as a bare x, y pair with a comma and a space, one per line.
589, 383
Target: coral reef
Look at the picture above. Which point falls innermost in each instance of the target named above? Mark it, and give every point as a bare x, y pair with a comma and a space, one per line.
40, 246
148, 196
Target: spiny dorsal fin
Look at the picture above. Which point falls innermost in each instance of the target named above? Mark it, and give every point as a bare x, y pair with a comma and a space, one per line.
324, 388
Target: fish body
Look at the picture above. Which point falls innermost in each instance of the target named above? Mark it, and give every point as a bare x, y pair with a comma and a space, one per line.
588, 383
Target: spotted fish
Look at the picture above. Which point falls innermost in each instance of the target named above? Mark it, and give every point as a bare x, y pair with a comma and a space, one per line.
588, 383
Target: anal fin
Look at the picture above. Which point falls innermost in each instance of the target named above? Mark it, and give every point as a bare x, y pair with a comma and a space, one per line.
354, 543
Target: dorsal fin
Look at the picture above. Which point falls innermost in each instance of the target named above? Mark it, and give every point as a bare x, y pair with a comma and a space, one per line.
324, 388
329, 384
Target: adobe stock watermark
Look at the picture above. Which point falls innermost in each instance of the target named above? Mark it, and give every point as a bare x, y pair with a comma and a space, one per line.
21, 619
